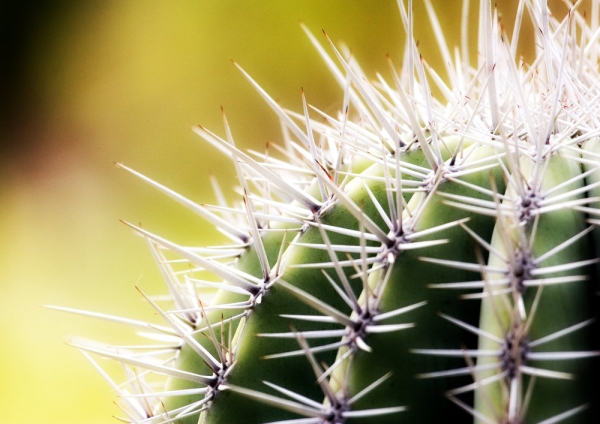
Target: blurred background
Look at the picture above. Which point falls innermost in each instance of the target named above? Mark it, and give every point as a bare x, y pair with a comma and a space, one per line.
85, 84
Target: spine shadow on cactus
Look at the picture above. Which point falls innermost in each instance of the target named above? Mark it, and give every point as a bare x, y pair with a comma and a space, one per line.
413, 260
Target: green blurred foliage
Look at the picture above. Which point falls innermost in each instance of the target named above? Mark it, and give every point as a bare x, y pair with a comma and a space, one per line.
88, 83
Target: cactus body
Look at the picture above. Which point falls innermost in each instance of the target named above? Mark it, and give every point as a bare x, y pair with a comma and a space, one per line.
414, 260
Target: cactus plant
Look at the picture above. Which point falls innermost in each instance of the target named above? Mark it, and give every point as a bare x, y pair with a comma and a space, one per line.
418, 258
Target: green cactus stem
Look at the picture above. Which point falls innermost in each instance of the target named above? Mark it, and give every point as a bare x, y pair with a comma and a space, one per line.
415, 259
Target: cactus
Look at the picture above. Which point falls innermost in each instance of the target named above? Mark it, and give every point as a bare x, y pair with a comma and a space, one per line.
418, 258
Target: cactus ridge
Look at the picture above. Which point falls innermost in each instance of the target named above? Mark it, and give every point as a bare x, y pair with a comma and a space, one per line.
417, 258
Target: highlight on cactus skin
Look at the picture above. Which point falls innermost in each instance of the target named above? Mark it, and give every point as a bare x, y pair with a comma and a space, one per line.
417, 258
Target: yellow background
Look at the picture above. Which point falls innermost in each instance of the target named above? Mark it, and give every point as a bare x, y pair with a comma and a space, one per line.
105, 81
